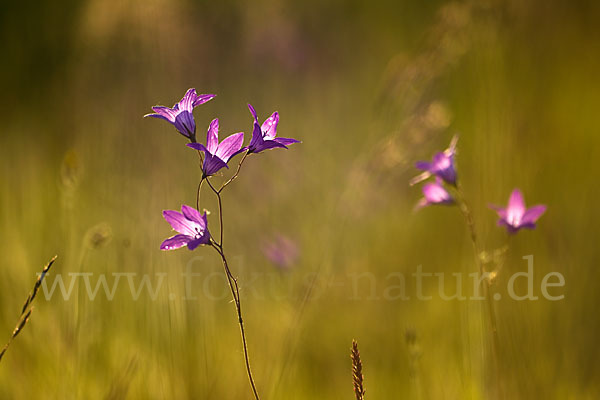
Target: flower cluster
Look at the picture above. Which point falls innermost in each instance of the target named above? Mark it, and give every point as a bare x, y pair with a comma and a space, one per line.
442, 167
513, 217
192, 226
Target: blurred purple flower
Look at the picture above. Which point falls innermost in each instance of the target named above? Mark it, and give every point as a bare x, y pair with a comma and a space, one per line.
192, 228
516, 216
441, 166
263, 136
435, 193
281, 251
181, 114
218, 154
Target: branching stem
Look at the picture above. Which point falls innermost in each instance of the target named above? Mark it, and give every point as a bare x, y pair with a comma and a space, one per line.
231, 280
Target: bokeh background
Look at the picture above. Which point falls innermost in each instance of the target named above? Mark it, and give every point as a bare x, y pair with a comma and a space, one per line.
370, 88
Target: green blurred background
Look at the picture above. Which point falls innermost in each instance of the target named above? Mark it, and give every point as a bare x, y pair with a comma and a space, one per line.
370, 88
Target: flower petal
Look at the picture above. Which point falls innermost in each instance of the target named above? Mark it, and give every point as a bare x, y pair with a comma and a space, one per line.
269, 127
229, 146
193, 215
285, 141
166, 113
441, 162
187, 102
257, 139
423, 165
175, 242
203, 98
179, 222
448, 175
270, 144
533, 213
198, 146
212, 136
436, 194
185, 123
421, 204
499, 209
516, 202
204, 239
212, 164
253, 112
515, 208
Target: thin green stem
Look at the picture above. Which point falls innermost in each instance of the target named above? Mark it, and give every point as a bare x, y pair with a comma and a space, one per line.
232, 281
235, 293
218, 246
218, 194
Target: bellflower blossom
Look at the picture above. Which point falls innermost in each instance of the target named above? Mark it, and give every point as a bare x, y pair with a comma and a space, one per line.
181, 114
516, 216
435, 193
218, 154
281, 251
192, 228
441, 166
264, 136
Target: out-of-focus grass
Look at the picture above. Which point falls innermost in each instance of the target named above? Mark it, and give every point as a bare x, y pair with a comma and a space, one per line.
369, 89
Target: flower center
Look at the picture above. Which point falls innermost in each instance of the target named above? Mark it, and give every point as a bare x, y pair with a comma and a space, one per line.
443, 163
514, 217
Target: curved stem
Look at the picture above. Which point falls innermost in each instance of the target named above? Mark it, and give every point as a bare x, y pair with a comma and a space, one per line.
239, 167
198, 191
218, 246
233, 285
235, 292
218, 193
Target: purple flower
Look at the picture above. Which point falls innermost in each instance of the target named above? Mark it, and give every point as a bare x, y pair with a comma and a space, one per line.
281, 251
181, 114
191, 227
435, 193
218, 154
263, 136
441, 166
516, 216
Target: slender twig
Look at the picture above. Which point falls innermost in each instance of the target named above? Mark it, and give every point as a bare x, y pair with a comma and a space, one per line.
239, 167
27, 309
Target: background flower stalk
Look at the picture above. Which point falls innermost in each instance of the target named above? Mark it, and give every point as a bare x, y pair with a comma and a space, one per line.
514, 217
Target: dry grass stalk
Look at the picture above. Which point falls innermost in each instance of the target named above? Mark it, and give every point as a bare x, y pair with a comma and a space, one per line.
357, 375
27, 308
